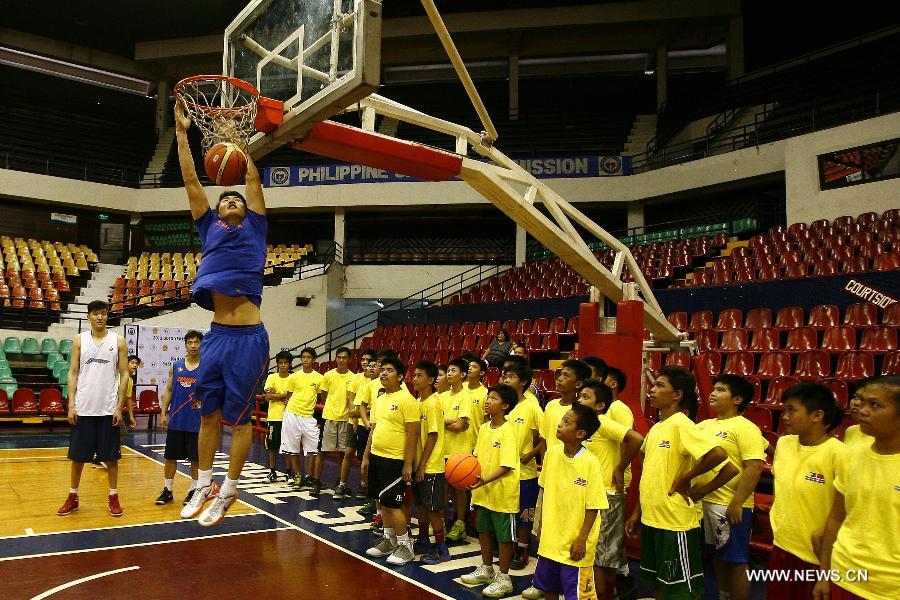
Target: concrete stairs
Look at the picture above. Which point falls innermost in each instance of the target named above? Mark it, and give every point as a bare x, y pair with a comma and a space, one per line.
158, 162
642, 131
742, 123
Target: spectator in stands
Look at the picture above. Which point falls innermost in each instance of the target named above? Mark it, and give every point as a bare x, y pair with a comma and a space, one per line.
500, 348
441, 385
276, 391
300, 433
598, 367
236, 350
338, 434
388, 461
181, 417
519, 349
98, 387
675, 452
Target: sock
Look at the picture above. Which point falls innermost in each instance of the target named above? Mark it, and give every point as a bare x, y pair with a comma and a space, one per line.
378, 511
490, 569
389, 534
229, 487
113, 491
423, 529
342, 483
439, 537
193, 485
523, 547
204, 478
403, 539
169, 483
73, 490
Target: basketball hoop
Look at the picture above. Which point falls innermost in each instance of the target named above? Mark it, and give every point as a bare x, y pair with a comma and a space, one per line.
223, 108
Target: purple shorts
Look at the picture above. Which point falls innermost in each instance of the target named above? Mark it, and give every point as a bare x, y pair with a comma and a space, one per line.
574, 583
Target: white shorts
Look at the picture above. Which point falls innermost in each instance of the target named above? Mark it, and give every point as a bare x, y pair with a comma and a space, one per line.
299, 435
716, 529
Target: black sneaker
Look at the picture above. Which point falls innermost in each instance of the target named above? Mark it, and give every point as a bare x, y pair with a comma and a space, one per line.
165, 497
315, 486
272, 477
520, 560
362, 493
341, 491
187, 498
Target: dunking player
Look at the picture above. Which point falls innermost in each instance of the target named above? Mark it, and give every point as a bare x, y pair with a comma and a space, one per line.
235, 352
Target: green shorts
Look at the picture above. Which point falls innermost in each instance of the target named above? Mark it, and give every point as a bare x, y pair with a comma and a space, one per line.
502, 525
672, 562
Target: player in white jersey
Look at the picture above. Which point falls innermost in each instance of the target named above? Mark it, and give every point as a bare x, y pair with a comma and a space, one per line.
98, 385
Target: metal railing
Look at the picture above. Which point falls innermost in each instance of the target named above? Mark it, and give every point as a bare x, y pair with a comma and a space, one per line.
68, 168
432, 251
350, 333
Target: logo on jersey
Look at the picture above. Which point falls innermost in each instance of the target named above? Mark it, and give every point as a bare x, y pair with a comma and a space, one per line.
101, 361
665, 444
185, 381
815, 477
456, 408
195, 402
520, 420
722, 434
394, 407
897, 488
580, 481
496, 444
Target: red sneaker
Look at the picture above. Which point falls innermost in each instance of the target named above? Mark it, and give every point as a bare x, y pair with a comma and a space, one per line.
115, 509
70, 506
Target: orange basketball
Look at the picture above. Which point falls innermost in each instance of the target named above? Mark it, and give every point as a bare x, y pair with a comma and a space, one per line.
462, 470
225, 164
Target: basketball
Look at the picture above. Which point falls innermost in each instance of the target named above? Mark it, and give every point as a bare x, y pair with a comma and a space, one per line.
462, 470
225, 164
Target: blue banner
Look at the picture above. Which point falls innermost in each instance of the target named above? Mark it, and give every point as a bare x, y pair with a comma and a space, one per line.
542, 168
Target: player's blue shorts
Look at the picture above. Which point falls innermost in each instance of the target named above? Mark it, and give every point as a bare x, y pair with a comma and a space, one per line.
233, 360
528, 494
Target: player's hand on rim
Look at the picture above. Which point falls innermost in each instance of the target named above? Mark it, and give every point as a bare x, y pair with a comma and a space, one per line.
182, 118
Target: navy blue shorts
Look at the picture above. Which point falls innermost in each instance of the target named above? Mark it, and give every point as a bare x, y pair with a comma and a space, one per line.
528, 494
94, 435
233, 360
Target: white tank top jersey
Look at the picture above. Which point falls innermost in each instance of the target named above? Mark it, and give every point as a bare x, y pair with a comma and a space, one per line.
97, 390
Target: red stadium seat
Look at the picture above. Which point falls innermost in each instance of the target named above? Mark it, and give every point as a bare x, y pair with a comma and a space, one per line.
541, 325
891, 317
768, 273
789, 317
776, 389
855, 365
679, 320
796, 271
713, 362
813, 365
839, 339
739, 363
23, 402
890, 365
758, 318
879, 339
765, 339
50, 402
824, 315
801, 339
861, 314
702, 319
682, 359
707, 340
773, 365
838, 387
760, 416
730, 318
734, 340
855, 264
825, 267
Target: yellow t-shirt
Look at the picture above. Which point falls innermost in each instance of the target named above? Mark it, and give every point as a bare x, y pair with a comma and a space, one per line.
605, 446
335, 385
431, 420
553, 414
358, 379
478, 396
394, 411
457, 406
868, 539
571, 486
278, 385
854, 435
529, 395
620, 413
742, 440
303, 388
668, 449
804, 492
526, 418
497, 447
367, 392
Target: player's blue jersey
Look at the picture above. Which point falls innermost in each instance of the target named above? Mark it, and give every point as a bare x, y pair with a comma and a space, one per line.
233, 258
184, 408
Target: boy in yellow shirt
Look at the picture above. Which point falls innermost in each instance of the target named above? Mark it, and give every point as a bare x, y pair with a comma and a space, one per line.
861, 530
300, 431
671, 548
496, 493
388, 462
338, 434
728, 511
569, 380
853, 435
276, 389
429, 488
615, 446
440, 384
804, 469
476, 391
457, 440
573, 498
527, 418
354, 387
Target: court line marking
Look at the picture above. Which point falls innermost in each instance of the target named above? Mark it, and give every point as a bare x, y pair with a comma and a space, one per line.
29, 531
332, 544
33, 534
137, 545
64, 586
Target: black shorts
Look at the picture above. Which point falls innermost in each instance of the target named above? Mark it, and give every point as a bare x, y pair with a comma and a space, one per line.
385, 482
430, 493
94, 435
362, 437
273, 436
181, 445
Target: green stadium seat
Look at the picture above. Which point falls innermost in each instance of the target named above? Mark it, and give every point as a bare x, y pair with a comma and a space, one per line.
61, 370
4, 362
65, 347
30, 346
49, 345
12, 345
2, 354
5, 372
9, 388
53, 358
65, 393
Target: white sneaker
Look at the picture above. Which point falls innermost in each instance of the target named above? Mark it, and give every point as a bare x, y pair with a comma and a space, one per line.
200, 497
501, 587
483, 574
384, 548
215, 512
402, 555
532, 593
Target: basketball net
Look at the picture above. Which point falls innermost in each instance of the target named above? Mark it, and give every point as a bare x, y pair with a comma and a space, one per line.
223, 108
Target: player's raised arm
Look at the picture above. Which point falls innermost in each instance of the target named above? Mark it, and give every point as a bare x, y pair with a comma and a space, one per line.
255, 199
196, 196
